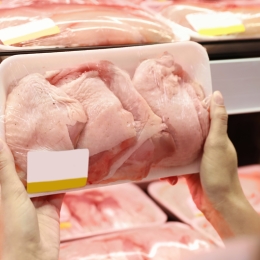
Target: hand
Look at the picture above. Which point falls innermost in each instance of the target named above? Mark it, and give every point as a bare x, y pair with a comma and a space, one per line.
216, 190
218, 179
30, 226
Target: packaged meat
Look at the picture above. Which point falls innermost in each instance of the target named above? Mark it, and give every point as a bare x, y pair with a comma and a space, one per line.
143, 119
222, 20
178, 201
106, 210
250, 181
169, 241
18, 3
82, 25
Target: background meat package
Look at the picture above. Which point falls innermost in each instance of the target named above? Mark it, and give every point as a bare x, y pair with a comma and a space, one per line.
178, 200
169, 241
248, 12
106, 210
143, 119
90, 24
18, 3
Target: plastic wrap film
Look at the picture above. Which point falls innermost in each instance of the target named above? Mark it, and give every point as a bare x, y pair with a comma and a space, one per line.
170, 241
106, 210
141, 109
88, 25
248, 12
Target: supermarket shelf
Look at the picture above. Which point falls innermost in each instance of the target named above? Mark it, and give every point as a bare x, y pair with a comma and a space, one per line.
223, 50
217, 50
239, 81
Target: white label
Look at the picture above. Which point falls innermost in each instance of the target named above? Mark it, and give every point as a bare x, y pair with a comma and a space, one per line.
28, 31
218, 20
45, 166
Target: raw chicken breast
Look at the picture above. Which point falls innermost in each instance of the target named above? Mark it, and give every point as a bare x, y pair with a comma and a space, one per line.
146, 123
39, 116
140, 156
178, 101
110, 129
248, 13
90, 25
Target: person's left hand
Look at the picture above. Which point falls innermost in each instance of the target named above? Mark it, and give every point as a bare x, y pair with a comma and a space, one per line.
30, 227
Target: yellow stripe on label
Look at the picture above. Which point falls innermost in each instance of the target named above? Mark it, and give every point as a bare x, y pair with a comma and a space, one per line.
35, 35
52, 186
222, 31
65, 225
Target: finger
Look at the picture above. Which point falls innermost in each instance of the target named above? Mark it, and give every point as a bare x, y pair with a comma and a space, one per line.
171, 180
218, 115
9, 180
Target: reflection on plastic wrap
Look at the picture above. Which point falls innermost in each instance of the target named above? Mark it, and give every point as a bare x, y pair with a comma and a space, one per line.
89, 25
107, 209
170, 241
247, 12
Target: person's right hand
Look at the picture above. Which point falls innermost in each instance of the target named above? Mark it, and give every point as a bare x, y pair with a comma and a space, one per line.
217, 191
218, 180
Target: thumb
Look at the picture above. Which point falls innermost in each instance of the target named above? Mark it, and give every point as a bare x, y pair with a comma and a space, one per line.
9, 180
218, 116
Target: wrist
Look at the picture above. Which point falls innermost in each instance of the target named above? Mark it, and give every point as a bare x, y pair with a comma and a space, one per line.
234, 216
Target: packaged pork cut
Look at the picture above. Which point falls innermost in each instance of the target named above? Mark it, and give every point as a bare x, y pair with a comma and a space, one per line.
106, 210
215, 20
178, 201
55, 24
92, 118
18, 3
169, 241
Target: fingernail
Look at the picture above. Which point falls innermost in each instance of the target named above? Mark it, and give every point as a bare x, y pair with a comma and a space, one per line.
218, 98
1, 145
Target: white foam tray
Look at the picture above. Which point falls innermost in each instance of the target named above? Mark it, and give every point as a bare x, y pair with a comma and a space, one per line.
190, 55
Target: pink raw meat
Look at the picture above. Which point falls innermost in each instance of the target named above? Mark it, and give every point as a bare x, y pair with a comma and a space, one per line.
39, 116
18, 3
147, 124
178, 101
110, 129
246, 11
90, 25
106, 209
158, 243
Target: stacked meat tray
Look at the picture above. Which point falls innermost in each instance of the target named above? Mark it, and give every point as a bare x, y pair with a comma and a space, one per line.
129, 83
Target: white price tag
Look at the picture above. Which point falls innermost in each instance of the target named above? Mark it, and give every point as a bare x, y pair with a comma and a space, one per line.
29, 31
49, 171
216, 24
